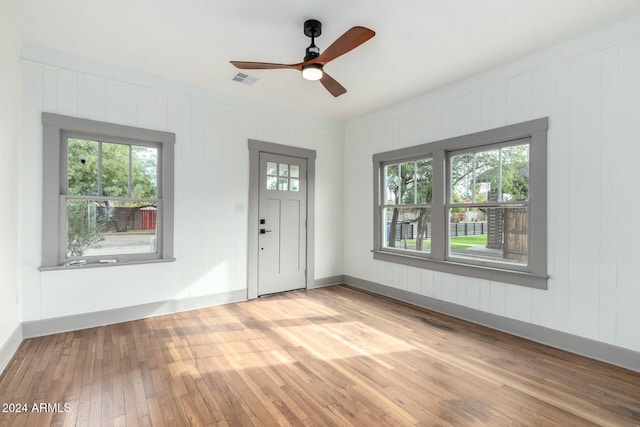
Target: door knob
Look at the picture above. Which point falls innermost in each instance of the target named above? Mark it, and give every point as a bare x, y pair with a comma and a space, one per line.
263, 231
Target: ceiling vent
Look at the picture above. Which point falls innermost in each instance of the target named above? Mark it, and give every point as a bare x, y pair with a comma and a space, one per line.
245, 79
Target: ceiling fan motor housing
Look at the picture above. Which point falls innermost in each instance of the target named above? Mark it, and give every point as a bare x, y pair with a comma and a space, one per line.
312, 28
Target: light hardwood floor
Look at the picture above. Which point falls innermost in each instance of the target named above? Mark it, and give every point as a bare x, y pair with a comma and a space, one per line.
331, 356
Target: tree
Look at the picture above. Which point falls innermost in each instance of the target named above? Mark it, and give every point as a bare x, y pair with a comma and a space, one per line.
506, 170
114, 170
83, 168
409, 183
83, 230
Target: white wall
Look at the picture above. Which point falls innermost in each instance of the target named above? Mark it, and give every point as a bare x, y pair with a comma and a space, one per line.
9, 143
590, 90
211, 182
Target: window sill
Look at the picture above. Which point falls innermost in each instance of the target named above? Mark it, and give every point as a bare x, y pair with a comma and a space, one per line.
97, 264
530, 280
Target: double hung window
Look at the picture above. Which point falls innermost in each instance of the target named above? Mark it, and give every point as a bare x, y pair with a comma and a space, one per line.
473, 205
487, 204
407, 205
108, 193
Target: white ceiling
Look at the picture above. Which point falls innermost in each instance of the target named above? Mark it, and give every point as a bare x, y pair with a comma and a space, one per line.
420, 45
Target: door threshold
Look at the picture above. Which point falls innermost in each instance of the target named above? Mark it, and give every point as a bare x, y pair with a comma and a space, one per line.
282, 292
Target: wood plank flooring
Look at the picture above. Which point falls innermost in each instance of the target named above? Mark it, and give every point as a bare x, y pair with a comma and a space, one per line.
331, 356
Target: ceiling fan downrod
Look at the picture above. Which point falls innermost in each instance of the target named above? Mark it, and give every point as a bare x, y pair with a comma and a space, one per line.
312, 29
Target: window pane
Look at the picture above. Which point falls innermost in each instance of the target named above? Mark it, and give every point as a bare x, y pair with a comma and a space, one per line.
515, 173
461, 177
391, 185
489, 234
144, 172
424, 177
272, 183
283, 169
283, 184
407, 183
294, 170
484, 182
82, 167
115, 170
109, 228
499, 175
407, 228
294, 184
272, 168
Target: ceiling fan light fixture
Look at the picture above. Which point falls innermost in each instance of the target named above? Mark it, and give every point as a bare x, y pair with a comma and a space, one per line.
312, 72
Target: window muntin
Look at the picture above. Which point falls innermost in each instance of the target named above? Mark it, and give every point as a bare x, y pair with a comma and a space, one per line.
487, 206
406, 210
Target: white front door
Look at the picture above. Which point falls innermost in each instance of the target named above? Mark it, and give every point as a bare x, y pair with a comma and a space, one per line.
282, 239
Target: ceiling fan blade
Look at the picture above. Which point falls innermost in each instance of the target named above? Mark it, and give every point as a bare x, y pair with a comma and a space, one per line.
346, 42
246, 65
335, 88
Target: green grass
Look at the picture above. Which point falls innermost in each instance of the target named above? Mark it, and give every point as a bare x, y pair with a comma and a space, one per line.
471, 240
459, 246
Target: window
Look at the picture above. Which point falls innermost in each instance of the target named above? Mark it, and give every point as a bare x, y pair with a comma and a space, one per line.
283, 177
108, 193
407, 205
488, 203
473, 205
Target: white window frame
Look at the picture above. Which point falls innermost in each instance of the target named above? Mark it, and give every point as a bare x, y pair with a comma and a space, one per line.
534, 274
56, 129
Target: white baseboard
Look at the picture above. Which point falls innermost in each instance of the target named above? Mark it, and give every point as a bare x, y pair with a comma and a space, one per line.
77, 322
597, 350
9, 348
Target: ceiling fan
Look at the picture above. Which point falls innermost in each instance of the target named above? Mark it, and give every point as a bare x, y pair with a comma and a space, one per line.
314, 61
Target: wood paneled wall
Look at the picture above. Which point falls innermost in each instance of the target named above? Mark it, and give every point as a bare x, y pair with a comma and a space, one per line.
211, 182
589, 88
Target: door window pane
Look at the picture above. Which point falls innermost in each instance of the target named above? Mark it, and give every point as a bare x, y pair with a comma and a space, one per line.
294, 184
294, 171
272, 183
283, 184
272, 168
283, 169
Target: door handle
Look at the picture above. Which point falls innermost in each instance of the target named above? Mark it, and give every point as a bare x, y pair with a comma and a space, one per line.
263, 231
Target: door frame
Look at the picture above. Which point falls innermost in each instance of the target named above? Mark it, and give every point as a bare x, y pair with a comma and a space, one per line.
255, 148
